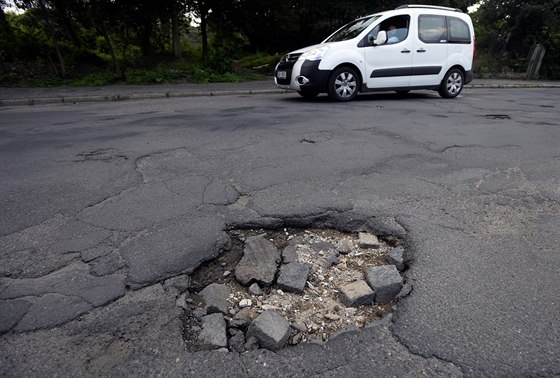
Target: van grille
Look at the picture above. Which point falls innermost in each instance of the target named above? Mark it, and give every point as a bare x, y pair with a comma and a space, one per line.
290, 58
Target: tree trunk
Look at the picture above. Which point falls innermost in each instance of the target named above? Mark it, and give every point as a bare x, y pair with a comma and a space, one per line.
176, 38
145, 42
115, 62
53, 37
204, 35
62, 12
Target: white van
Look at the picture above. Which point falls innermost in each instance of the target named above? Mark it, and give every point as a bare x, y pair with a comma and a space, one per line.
410, 47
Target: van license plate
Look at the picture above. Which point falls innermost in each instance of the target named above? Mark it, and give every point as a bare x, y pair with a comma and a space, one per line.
281, 74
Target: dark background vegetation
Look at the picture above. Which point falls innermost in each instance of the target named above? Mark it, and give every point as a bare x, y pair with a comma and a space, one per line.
98, 42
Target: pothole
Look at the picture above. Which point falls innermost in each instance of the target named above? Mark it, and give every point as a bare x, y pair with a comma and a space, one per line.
276, 288
103, 154
497, 116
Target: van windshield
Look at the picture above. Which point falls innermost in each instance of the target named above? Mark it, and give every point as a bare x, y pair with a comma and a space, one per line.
352, 29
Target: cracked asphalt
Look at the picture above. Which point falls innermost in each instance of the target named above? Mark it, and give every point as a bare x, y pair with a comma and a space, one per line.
107, 207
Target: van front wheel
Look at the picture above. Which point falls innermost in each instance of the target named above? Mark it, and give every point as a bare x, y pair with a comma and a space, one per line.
344, 84
452, 83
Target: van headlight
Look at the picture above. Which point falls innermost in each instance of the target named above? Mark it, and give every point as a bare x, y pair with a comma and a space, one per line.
314, 54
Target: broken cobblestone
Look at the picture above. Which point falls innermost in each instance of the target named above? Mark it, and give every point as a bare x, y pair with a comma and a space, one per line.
216, 298
356, 294
316, 308
385, 281
259, 262
293, 277
271, 329
214, 330
396, 258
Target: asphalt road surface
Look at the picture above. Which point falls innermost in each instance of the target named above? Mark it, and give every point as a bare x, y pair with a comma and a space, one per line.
105, 207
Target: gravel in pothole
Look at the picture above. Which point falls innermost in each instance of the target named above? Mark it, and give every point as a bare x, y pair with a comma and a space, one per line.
314, 307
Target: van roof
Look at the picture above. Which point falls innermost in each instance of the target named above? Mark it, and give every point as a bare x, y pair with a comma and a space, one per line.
429, 7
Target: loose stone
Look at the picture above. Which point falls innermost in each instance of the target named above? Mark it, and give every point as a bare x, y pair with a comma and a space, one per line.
386, 281
259, 261
299, 326
396, 258
293, 277
344, 246
245, 303
255, 289
271, 329
367, 240
252, 343
289, 254
216, 298
237, 342
214, 330
243, 318
356, 294
333, 317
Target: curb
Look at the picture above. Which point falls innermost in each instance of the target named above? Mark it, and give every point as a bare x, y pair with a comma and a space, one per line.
148, 96
151, 96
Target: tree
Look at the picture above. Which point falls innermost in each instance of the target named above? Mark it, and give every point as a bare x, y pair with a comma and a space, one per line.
509, 28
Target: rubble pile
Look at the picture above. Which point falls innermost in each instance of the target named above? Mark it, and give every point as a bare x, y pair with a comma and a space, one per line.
293, 286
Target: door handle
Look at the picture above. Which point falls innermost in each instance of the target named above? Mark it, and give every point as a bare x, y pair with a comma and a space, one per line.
405, 51
421, 50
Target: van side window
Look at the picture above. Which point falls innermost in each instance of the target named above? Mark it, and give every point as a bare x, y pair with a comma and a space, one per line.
458, 31
396, 28
432, 29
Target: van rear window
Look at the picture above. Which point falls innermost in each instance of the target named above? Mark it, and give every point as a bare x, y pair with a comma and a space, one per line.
458, 31
432, 29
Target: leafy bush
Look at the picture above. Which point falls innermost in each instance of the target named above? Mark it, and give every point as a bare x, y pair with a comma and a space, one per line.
260, 62
96, 79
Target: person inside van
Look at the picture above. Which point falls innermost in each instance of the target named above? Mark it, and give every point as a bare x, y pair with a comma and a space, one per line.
392, 34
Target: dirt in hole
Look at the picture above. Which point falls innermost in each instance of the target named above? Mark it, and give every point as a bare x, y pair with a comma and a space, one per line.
315, 314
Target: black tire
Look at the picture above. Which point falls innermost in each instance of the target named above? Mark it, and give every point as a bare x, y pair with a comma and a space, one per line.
452, 83
344, 84
308, 94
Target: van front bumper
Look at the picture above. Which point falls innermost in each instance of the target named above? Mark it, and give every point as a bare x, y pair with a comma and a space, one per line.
304, 76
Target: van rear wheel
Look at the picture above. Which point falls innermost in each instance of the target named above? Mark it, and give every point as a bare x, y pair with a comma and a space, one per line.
344, 84
452, 83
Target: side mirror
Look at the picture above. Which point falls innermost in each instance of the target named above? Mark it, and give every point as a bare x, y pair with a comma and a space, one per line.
381, 38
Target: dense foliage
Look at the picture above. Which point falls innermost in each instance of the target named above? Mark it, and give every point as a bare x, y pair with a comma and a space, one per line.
507, 30
54, 41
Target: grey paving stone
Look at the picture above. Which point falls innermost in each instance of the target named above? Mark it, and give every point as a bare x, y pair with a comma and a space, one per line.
396, 258
293, 277
386, 281
367, 240
237, 342
216, 298
271, 329
289, 254
356, 294
243, 318
259, 262
214, 330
